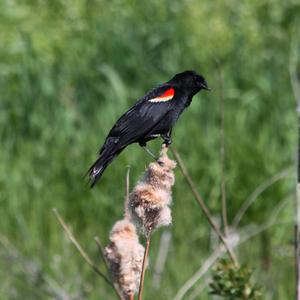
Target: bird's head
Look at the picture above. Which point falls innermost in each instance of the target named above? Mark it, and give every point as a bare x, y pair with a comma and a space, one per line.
190, 80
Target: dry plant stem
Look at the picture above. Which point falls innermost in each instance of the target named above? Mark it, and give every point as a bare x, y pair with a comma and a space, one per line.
127, 191
222, 153
101, 251
127, 183
78, 247
203, 206
131, 297
82, 252
141, 288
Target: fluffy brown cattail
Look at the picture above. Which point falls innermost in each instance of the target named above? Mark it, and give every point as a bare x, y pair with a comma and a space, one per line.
150, 200
125, 257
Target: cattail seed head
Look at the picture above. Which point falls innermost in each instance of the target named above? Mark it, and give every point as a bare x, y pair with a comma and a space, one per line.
125, 257
150, 199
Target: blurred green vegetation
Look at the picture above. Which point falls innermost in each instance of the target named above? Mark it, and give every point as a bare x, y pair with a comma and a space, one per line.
233, 283
68, 69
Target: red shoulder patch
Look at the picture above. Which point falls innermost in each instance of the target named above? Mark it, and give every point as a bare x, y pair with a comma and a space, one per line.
166, 96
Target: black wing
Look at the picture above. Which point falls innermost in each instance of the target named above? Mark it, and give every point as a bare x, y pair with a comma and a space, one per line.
139, 119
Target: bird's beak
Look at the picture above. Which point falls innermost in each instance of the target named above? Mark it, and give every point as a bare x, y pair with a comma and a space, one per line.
205, 87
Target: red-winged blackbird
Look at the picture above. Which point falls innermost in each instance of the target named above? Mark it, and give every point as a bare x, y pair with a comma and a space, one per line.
154, 115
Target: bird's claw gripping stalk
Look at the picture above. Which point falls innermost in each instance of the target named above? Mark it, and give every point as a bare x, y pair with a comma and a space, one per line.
167, 140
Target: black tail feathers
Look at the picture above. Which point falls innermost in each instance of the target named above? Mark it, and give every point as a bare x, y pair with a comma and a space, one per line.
98, 167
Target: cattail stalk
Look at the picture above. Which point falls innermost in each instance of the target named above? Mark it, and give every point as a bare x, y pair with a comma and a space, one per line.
149, 202
146, 253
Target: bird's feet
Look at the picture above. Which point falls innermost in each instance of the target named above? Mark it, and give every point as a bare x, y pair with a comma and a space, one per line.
167, 140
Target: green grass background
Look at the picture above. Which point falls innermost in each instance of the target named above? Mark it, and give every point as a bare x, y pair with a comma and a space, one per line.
69, 69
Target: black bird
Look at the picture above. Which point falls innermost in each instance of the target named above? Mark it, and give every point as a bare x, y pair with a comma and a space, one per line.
154, 115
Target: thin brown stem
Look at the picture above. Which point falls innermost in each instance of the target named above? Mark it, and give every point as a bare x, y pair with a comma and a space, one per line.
140, 295
127, 183
131, 296
222, 153
83, 254
203, 206
127, 191
101, 251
